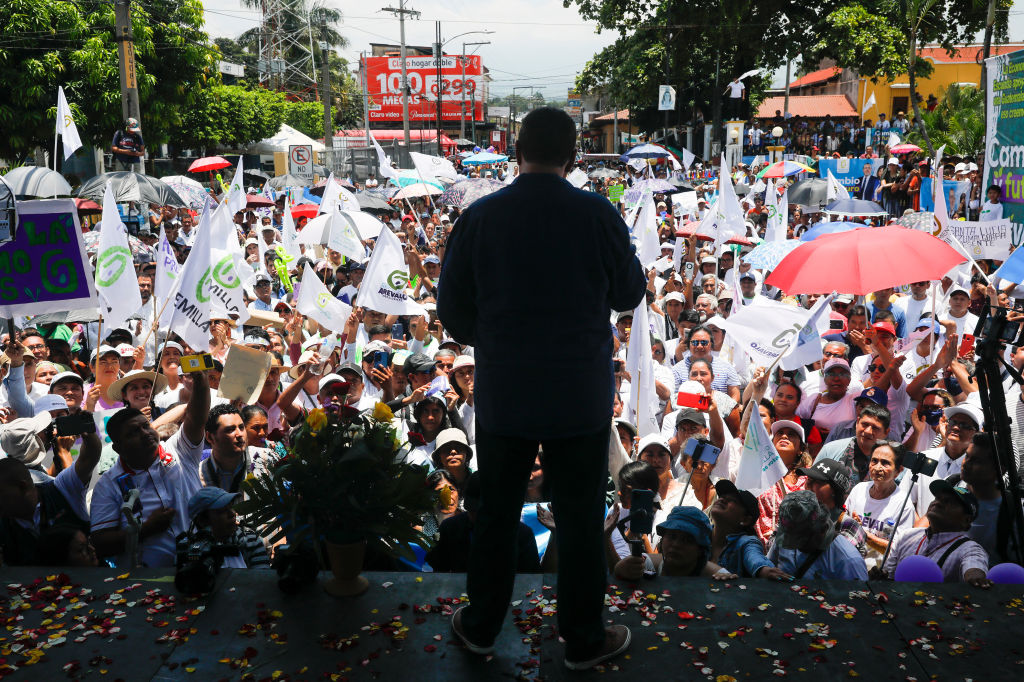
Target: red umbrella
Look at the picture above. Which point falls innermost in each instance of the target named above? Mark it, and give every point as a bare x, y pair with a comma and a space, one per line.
257, 201
305, 211
690, 229
862, 261
208, 163
87, 206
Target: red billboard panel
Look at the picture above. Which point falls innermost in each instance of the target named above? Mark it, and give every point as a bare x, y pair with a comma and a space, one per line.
384, 83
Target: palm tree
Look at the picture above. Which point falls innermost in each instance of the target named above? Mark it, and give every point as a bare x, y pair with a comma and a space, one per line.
958, 121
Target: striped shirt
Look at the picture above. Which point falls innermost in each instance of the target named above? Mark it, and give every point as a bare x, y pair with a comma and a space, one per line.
966, 556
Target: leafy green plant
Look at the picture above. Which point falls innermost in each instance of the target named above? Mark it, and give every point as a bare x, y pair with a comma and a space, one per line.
958, 121
343, 481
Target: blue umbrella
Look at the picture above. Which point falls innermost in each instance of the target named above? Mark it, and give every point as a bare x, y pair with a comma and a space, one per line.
645, 151
855, 207
482, 158
828, 228
767, 255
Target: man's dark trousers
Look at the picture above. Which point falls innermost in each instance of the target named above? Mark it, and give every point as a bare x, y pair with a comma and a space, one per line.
576, 469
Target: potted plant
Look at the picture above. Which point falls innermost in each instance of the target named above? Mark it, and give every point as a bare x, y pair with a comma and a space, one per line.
344, 483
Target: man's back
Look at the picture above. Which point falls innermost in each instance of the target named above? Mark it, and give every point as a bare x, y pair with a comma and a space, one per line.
530, 275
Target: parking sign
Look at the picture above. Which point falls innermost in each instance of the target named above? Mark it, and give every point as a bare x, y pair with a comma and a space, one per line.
300, 160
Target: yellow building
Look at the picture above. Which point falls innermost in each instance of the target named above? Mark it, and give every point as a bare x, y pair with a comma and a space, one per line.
962, 67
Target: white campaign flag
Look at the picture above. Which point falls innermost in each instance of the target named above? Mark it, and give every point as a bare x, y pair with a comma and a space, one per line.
577, 178
289, 235
775, 230
894, 139
688, 157
835, 189
315, 301
229, 267
336, 196
387, 275
643, 400
725, 219
190, 317
764, 329
761, 467
783, 204
677, 255
867, 105
648, 248
236, 200
66, 127
383, 161
167, 271
116, 283
433, 166
805, 349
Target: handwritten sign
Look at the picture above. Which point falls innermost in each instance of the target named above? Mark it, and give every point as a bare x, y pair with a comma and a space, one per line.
45, 268
989, 239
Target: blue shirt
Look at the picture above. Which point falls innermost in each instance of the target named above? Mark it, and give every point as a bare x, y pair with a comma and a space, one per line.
841, 561
743, 555
898, 315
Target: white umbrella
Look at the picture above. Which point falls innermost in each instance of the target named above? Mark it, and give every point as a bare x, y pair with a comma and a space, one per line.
368, 226
418, 189
183, 180
334, 230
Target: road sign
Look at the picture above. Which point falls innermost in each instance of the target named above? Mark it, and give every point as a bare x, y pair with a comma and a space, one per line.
300, 160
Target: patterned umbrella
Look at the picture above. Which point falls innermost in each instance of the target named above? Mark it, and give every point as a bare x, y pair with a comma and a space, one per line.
656, 185
784, 169
767, 255
92, 242
920, 220
193, 197
465, 192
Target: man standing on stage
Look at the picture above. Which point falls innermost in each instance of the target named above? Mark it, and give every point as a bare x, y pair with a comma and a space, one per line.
544, 376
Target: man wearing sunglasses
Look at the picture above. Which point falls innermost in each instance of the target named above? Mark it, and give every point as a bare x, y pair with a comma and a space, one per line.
917, 304
962, 422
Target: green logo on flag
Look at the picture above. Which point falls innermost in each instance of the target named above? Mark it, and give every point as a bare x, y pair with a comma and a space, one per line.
111, 264
322, 299
397, 280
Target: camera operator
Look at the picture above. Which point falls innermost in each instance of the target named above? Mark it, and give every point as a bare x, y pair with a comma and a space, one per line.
211, 510
29, 506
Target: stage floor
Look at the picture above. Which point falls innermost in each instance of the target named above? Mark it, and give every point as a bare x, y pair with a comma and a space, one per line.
103, 625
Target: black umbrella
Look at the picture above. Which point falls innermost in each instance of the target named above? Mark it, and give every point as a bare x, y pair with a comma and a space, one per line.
369, 202
810, 192
128, 186
681, 184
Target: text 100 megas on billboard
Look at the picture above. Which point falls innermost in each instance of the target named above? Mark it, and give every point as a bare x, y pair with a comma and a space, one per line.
460, 84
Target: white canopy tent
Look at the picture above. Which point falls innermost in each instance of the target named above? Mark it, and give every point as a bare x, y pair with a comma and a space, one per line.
280, 142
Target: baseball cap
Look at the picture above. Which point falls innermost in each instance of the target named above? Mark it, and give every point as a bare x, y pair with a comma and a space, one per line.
261, 279
125, 350
432, 259
830, 471
875, 395
892, 162
375, 346
463, 361
844, 298
674, 296
725, 487
445, 439
172, 345
625, 423
253, 340
209, 498
692, 415
19, 438
688, 520
957, 289
884, 326
61, 376
787, 424
969, 410
748, 275
50, 402
329, 379
960, 167
836, 362
708, 259
965, 497
350, 367
445, 218
408, 217
104, 350
418, 362
132, 124
653, 439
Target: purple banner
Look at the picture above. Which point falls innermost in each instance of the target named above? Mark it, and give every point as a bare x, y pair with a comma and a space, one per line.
45, 269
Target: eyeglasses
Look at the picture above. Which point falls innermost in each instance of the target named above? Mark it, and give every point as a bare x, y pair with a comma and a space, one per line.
700, 342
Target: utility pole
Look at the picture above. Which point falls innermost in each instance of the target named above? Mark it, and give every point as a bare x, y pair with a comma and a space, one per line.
438, 49
462, 126
328, 120
366, 98
400, 12
125, 39
615, 128
785, 102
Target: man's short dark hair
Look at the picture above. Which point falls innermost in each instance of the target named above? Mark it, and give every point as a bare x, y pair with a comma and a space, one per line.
547, 137
219, 411
116, 424
878, 412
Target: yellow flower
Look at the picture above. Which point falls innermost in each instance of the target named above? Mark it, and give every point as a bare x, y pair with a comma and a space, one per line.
316, 419
382, 413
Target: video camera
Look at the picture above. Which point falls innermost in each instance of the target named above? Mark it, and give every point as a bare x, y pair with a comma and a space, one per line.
919, 463
199, 558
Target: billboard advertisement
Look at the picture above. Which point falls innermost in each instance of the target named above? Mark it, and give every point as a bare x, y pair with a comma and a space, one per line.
384, 84
1004, 135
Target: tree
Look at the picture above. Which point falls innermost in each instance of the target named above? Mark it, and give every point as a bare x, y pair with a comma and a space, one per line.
881, 38
232, 116
307, 117
71, 43
958, 121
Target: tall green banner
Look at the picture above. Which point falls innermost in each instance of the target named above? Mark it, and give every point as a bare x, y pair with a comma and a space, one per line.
1004, 138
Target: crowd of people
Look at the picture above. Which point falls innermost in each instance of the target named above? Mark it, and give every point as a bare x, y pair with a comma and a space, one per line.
897, 377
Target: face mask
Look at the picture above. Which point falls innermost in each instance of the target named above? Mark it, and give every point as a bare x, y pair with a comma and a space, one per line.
953, 386
932, 417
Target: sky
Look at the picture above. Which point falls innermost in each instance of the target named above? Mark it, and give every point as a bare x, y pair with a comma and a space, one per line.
535, 42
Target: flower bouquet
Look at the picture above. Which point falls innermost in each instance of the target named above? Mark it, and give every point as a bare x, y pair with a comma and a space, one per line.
343, 482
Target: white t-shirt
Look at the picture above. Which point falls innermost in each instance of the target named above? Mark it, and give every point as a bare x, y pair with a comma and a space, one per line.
827, 416
990, 211
736, 89
872, 514
965, 324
